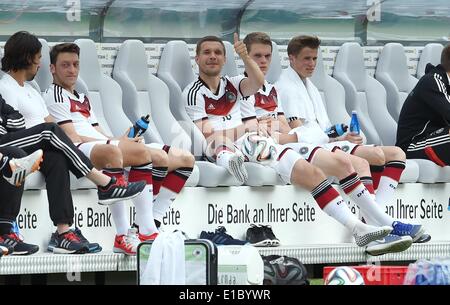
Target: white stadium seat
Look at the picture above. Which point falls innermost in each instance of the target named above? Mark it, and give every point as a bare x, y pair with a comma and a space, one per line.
332, 92
175, 69
350, 71
431, 53
274, 72
230, 67
44, 77
392, 72
143, 93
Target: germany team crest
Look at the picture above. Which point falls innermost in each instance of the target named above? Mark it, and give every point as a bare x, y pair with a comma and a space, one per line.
231, 97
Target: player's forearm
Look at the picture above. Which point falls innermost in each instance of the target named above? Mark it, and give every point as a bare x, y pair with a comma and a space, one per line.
251, 125
284, 126
283, 138
255, 78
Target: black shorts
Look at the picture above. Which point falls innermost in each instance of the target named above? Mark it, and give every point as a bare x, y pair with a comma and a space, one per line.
435, 147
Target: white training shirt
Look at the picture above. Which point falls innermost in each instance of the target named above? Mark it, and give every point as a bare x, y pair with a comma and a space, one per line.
264, 103
302, 101
24, 99
222, 108
75, 108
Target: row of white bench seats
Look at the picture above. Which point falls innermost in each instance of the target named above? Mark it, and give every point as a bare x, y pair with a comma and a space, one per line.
134, 92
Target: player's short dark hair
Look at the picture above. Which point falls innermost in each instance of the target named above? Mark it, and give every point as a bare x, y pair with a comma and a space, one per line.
208, 38
445, 58
257, 37
20, 50
298, 43
67, 47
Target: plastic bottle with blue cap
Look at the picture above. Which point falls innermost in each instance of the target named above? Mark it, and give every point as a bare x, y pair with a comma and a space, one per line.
336, 130
139, 127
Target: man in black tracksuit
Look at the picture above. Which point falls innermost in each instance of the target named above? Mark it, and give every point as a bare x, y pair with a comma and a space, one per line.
424, 122
60, 156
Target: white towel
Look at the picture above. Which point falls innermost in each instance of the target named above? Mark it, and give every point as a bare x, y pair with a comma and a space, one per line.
173, 269
308, 104
152, 271
166, 262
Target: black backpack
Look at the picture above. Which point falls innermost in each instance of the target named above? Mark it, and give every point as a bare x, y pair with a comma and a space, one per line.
284, 270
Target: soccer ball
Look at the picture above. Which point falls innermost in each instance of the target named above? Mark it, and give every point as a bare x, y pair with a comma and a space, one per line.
344, 276
284, 270
259, 149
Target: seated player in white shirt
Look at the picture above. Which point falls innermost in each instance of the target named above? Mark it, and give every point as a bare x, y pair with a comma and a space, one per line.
212, 102
305, 111
72, 111
307, 116
263, 110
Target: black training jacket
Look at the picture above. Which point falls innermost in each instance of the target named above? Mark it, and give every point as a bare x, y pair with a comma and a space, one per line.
10, 119
427, 107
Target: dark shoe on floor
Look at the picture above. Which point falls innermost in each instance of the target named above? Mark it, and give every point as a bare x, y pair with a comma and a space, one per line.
256, 236
19, 247
275, 242
69, 243
220, 237
93, 247
5, 249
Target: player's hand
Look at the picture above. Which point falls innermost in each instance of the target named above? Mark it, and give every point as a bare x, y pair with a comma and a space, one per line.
271, 124
263, 131
353, 138
137, 139
125, 137
240, 47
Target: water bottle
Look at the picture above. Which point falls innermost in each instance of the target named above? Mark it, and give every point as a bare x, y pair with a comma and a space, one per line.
336, 130
354, 123
139, 127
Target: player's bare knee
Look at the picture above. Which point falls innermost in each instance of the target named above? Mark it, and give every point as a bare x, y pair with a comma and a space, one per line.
107, 156
317, 174
343, 164
143, 154
159, 158
360, 164
377, 157
306, 175
187, 159
397, 154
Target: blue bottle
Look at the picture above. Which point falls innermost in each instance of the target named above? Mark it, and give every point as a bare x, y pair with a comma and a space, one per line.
139, 127
336, 130
354, 123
